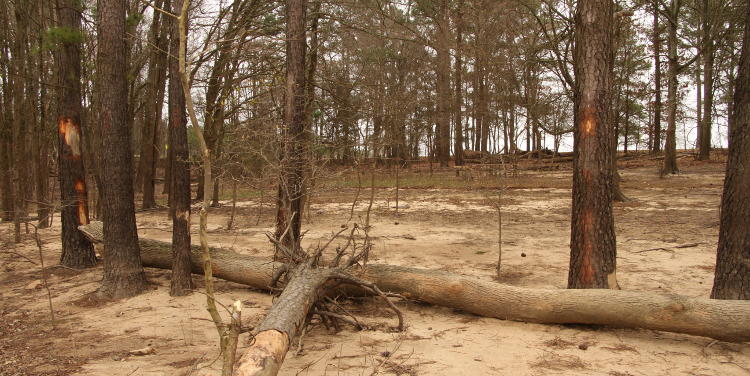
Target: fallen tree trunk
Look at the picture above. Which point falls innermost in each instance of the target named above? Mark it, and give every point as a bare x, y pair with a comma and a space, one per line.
727, 320
283, 320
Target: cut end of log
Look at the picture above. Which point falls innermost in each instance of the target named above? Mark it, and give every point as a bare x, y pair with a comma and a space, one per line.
265, 355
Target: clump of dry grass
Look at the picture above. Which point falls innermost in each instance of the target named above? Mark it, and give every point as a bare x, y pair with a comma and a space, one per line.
556, 362
559, 343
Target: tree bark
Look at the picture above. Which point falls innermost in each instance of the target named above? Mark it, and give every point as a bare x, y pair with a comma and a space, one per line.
724, 320
656, 43
709, 55
181, 281
732, 276
442, 84
291, 185
592, 244
670, 145
6, 139
123, 273
20, 115
157, 75
283, 321
458, 146
77, 251
41, 144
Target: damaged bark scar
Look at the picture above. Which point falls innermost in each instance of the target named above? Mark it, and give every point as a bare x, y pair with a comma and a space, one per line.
83, 210
183, 216
587, 269
71, 133
588, 121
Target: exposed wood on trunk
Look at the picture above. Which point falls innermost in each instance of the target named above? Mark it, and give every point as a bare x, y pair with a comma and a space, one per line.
77, 251
725, 320
592, 243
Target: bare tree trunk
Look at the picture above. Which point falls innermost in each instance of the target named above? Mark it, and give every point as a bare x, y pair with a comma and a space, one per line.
123, 273
732, 277
20, 115
656, 42
6, 137
443, 84
291, 185
40, 145
181, 282
157, 69
458, 146
670, 146
592, 244
708, 56
77, 251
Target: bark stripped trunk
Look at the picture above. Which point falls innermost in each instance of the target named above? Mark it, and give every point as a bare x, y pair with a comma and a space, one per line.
656, 42
77, 251
592, 244
291, 185
732, 277
181, 282
725, 320
157, 74
123, 273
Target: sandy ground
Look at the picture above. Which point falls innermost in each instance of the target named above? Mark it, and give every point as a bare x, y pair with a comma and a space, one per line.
666, 241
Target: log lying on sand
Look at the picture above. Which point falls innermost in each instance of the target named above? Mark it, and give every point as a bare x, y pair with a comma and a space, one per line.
727, 320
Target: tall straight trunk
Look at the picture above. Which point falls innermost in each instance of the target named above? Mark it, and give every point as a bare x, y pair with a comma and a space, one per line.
592, 244
670, 145
709, 55
77, 251
483, 112
290, 201
477, 118
154, 101
732, 276
698, 105
528, 130
656, 42
41, 147
458, 145
181, 281
123, 272
627, 121
443, 85
6, 117
20, 115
